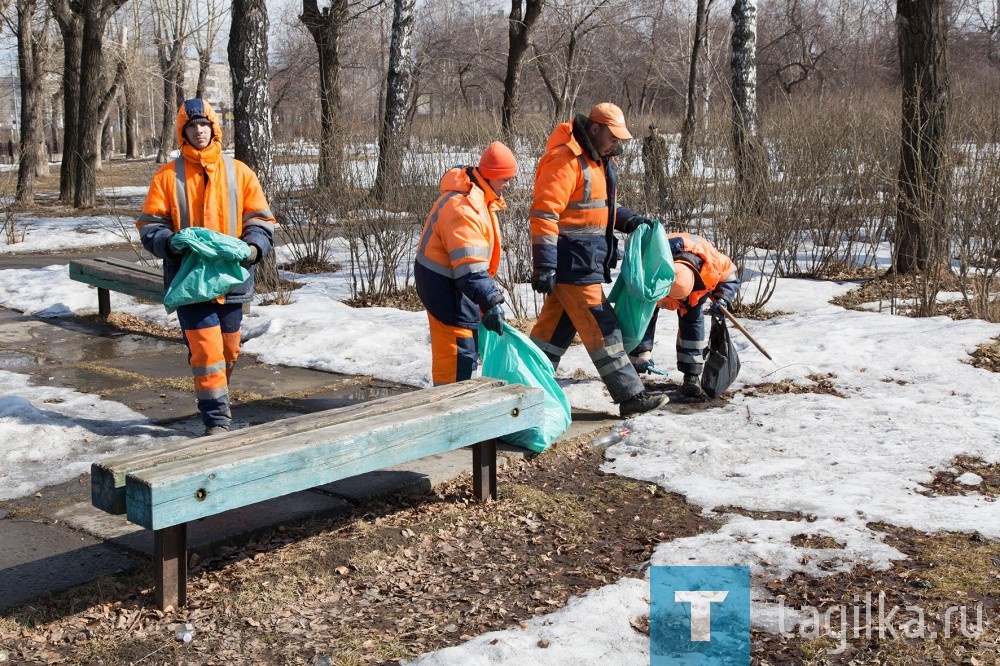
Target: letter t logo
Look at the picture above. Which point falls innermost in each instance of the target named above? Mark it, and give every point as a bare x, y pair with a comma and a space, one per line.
701, 610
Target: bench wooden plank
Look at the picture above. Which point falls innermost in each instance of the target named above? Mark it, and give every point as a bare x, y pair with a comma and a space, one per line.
116, 275
185, 490
107, 477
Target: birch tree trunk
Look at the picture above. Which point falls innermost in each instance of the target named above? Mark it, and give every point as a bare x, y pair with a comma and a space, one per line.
392, 138
749, 156
251, 93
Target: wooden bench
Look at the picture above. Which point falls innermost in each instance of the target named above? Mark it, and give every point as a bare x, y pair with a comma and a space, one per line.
116, 275
163, 489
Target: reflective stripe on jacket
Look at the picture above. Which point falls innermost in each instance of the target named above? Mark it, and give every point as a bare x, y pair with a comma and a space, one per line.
459, 250
571, 214
203, 188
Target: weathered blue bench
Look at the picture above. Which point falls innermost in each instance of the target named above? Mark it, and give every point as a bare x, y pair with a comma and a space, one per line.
163, 489
109, 275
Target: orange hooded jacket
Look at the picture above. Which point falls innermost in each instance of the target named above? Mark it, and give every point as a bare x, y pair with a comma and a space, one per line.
459, 250
219, 193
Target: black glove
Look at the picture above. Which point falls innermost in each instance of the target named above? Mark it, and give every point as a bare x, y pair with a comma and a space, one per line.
173, 250
635, 221
493, 319
544, 281
252, 257
715, 309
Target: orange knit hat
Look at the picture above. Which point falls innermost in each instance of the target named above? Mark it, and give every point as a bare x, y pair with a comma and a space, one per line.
497, 162
683, 281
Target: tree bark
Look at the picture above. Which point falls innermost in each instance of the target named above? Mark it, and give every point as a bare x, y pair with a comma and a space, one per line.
251, 92
524, 14
30, 119
71, 27
95, 18
326, 28
923, 174
392, 138
750, 157
690, 111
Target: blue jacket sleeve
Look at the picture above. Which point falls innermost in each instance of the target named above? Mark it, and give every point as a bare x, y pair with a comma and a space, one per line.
480, 288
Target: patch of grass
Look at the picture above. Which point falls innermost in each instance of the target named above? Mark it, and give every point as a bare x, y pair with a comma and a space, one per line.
946, 481
821, 384
987, 356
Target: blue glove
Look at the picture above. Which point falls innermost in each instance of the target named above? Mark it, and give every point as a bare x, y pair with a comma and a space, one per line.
544, 281
493, 319
635, 221
715, 309
252, 258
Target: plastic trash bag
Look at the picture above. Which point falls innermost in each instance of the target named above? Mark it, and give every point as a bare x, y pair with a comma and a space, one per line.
722, 365
515, 359
210, 268
646, 275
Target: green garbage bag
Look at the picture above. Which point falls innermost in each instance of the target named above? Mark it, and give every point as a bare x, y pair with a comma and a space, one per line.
515, 359
210, 268
646, 275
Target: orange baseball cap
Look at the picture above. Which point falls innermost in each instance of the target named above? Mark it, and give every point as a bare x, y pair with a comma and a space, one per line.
497, 161
611, 116
683, 281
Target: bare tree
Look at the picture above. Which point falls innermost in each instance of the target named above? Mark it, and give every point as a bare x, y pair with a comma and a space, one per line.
524, 14
923, 174
392, 137
749, 155
251, 93
690, 109
207, 19
170, 32
92, 93
561, 68
70, 22
327, 27
32, 47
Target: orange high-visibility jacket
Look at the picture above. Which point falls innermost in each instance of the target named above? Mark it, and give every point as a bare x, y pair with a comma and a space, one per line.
218, 193
715, 273
459, 250
571, 216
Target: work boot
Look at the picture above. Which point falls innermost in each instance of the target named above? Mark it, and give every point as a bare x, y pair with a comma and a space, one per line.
691, 388
642, 402
215, 430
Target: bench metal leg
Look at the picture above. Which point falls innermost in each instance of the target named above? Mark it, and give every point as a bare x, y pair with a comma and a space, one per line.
484, 470
103, 302
170, 566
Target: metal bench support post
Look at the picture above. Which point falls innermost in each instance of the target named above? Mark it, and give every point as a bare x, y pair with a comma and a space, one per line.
170, 566
103, 302
484, 470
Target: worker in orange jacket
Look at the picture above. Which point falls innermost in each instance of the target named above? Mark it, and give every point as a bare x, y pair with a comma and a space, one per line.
222, 194
457, 260
574, 215
702, 273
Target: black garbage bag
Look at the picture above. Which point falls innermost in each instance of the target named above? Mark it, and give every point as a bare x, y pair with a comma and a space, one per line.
722, 365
